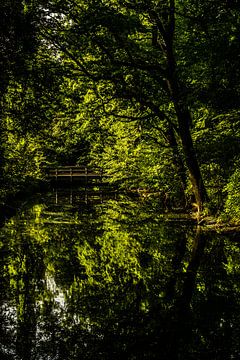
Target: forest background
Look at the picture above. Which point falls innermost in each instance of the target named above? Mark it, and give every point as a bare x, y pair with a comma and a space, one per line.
148, 91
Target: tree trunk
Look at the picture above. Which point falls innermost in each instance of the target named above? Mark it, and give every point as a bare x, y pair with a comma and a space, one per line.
184, 123
1, 148
184, 118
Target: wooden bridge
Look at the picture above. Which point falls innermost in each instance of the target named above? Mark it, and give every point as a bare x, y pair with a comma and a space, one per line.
71, 173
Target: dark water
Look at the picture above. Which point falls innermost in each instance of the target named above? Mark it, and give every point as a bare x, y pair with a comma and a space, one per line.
86, 277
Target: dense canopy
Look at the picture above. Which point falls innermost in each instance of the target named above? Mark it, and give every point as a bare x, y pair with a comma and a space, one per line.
146, 90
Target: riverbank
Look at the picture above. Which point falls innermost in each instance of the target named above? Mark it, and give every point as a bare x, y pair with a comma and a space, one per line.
223, 228
12, 203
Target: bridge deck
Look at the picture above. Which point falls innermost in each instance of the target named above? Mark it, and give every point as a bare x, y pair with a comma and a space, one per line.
74, 172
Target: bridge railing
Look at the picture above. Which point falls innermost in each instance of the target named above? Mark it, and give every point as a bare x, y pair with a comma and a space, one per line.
73, 171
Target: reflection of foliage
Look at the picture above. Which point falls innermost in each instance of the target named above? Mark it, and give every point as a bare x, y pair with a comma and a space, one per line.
116, 281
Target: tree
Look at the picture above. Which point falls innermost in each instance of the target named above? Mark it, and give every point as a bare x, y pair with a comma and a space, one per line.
132, 46
17, 43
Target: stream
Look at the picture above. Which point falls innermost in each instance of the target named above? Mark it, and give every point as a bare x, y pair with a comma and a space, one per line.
90, 275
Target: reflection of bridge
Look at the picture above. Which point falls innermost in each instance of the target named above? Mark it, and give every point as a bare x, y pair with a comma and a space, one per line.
75, 173
76, 197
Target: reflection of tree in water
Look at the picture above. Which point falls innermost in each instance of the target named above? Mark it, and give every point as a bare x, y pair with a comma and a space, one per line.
23, 268
117, 282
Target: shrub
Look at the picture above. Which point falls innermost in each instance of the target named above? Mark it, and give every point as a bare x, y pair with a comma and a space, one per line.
232, 205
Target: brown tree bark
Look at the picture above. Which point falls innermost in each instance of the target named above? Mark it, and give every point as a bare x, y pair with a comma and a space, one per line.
184, 121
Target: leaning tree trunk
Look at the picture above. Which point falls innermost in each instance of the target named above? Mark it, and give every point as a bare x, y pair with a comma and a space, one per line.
183, 116
1, 150
184, 124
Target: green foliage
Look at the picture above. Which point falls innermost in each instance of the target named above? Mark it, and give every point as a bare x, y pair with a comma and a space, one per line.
217, 140
232, 205
147, 91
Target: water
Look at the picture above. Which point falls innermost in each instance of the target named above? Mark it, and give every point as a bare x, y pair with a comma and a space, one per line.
106, 277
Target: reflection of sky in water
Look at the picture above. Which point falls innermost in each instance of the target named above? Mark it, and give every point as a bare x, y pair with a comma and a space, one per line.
60, 302
10, 317
57, 294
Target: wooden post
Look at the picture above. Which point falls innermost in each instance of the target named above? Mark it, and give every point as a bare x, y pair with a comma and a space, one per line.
71, 173
56, 174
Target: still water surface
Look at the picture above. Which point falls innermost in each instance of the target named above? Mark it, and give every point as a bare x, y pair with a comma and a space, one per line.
90, 277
